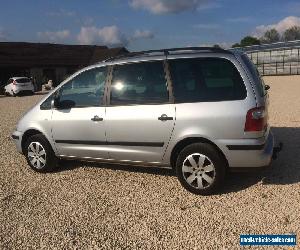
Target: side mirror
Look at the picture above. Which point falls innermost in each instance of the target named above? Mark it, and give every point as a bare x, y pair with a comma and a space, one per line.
65, 104
267, 87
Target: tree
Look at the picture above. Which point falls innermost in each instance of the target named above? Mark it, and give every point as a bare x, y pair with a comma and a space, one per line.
235, 45
270, 36
217, 46
292, 34
249, 40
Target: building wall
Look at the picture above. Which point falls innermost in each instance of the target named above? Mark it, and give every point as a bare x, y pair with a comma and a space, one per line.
47, 61
61, 74
37, 75
41, 75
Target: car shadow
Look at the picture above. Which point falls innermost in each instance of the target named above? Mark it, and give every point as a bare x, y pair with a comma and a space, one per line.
67, 165
283, 171
19, 94
25, 93
286, 169
41, 92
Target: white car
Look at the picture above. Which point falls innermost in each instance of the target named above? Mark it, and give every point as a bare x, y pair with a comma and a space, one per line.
17, 85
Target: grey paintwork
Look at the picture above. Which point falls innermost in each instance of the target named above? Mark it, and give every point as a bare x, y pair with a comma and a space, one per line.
222, 123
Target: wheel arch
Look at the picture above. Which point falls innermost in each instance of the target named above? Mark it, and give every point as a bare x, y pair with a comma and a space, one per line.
29, 133
189, 140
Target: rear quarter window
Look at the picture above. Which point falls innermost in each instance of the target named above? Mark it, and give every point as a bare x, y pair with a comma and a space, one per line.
206, 80
258, 81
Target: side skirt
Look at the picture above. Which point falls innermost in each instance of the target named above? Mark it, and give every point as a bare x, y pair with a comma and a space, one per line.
120, 162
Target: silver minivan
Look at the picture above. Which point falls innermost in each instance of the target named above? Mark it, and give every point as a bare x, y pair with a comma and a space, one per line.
201, 111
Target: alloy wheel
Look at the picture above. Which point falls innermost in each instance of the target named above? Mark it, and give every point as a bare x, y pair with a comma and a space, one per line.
198, 171
36, 155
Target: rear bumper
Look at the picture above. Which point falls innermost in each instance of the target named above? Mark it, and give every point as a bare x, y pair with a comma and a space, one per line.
255, 153
20, 89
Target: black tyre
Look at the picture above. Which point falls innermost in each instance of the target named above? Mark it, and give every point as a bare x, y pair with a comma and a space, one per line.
39, 154
200, 168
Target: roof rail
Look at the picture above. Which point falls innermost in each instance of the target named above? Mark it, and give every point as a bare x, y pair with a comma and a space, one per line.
167, 52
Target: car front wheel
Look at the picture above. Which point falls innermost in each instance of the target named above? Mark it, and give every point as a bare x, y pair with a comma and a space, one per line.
39, 154
200, 168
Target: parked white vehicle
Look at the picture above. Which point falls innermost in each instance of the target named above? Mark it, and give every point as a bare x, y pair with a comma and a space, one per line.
17, 85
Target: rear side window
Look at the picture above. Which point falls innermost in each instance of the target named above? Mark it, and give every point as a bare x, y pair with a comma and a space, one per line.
255, 74
206, 80
23, 80
139, 83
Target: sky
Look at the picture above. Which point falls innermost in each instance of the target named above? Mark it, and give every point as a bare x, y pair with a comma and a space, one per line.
144, 24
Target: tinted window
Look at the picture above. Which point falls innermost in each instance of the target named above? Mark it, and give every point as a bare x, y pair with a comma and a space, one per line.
139, 83
85, 89
255, 74
47, 103
23, 80
206, 80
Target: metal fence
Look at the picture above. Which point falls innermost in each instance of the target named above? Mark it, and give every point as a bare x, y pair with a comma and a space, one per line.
282, 58
277, 62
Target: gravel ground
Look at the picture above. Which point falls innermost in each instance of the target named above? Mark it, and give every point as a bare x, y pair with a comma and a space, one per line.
94, 206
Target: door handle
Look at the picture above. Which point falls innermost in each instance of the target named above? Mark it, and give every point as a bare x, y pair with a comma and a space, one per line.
96, 118
164, 117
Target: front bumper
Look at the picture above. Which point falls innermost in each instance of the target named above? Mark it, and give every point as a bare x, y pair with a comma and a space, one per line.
17, 138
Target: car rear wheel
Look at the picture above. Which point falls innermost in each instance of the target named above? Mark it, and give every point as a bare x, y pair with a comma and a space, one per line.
39, 154
200, 168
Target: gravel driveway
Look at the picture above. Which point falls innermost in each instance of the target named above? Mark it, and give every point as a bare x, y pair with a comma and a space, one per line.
95, 206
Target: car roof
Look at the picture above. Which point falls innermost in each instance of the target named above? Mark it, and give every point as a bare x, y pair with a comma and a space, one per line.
152, 55
19, 77
162, 53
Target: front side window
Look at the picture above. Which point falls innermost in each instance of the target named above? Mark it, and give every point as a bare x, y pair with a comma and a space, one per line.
46, 105
139, 83
85, 89
206, 80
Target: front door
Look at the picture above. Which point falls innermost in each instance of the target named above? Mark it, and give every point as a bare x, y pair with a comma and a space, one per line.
140, 117
78, 122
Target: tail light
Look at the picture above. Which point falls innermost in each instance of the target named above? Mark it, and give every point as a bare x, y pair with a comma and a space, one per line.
256, 119
14, 82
